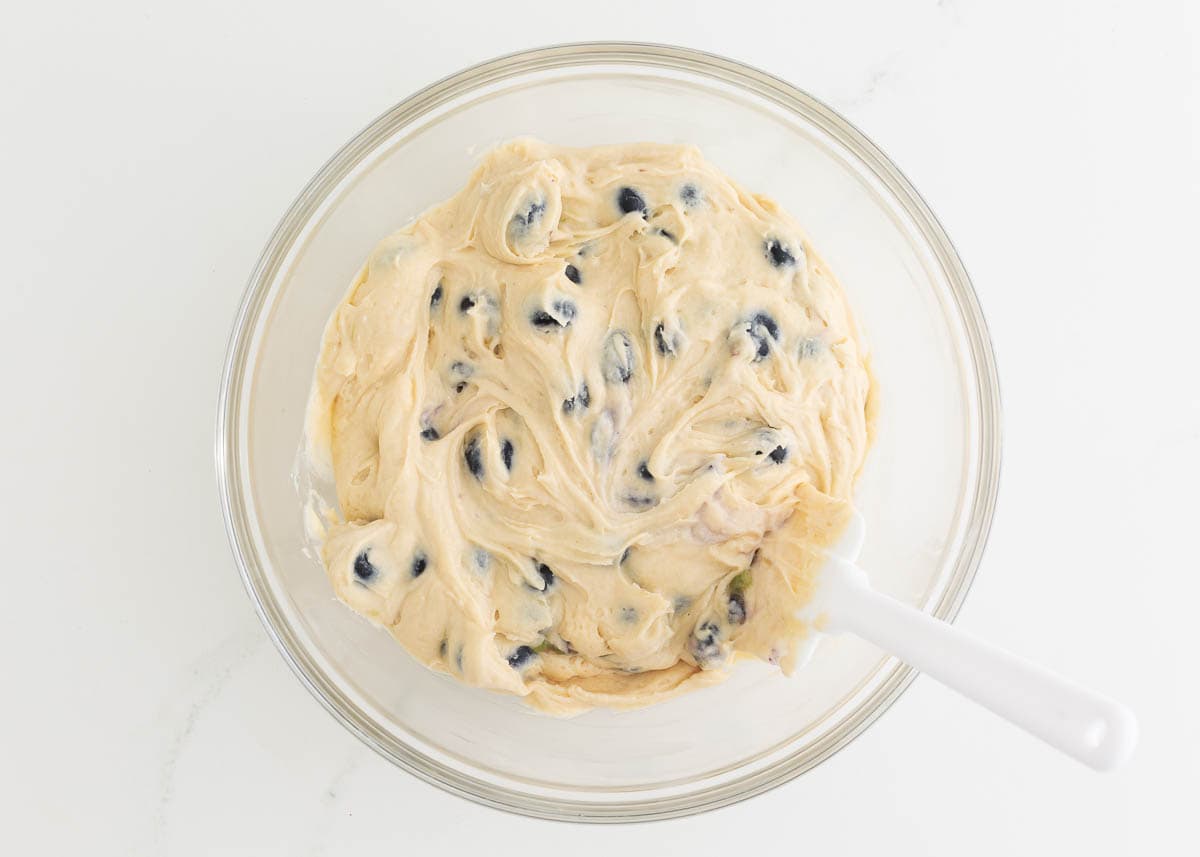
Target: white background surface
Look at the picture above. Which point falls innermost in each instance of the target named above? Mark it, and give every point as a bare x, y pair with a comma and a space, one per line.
148, 151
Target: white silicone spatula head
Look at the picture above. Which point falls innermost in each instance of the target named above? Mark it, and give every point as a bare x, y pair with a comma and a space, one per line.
1092, 728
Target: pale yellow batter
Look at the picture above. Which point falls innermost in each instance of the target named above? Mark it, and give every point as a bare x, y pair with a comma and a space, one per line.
592, 422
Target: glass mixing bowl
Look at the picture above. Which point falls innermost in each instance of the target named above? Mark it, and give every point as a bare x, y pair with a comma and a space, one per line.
927, 492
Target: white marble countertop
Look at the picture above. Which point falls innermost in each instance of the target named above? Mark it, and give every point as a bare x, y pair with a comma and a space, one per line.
149, 150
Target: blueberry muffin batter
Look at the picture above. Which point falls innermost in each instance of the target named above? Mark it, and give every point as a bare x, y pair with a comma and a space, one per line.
592, 423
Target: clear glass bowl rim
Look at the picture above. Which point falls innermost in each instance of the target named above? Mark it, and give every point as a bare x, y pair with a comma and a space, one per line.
229, 464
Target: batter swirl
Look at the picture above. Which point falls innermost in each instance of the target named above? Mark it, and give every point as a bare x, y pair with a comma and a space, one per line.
592, 422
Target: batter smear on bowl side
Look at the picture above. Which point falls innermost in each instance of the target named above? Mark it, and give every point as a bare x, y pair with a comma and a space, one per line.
592, 423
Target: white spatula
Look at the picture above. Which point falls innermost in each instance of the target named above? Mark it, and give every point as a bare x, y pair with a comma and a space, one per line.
1094, 729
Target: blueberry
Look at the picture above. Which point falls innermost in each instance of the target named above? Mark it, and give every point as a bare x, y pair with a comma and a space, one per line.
660, 339
765, 321
363, 569
629, 200
778, 254
459, 369
762, 329
580, 400
458, 658
737, 608
618, 360
522, 221
482, 559
474, 457
681, 604
573, 274
779, 454
546, 574
436, 298
666, 344
690, 194
705, 644
644, 472
629, 614
520, 656
429, 433
534, 212
640, 501
419, 564
561, 314
466, 304
506, 453
442, 647
670, 236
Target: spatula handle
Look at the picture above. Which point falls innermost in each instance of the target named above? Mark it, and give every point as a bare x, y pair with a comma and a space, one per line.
1092, 728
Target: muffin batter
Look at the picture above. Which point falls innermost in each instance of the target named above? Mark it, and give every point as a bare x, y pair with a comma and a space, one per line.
592, 423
